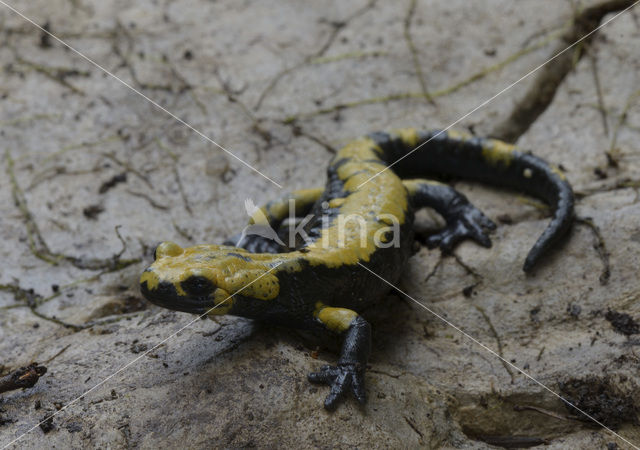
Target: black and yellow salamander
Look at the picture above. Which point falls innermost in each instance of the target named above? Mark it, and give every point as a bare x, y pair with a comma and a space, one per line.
323, 282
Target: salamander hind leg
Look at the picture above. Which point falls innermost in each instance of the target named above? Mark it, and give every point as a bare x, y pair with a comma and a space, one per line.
348, 374
463, 220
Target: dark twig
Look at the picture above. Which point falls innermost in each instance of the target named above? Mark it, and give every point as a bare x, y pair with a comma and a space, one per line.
599, 246
414, 52
22, 378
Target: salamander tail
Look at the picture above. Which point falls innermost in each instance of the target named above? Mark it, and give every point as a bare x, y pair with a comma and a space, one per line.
411, 153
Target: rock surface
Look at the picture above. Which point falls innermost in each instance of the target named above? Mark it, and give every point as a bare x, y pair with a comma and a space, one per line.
95, 176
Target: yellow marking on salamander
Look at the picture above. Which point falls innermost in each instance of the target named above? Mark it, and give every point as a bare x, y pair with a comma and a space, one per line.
335, 319
151, 278
557, 171
351, 238
408, 136
279, 209
458, 135
413, 185
224, 299
497, 152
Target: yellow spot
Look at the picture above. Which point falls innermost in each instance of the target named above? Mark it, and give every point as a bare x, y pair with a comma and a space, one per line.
385, 220
558, 172
278, 210
150, 278
224, 299
458, 135
412, 186
335, 319
305, 197
336, 203
409, 136
497, 152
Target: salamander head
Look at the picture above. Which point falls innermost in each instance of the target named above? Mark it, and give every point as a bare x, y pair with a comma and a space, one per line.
197, 279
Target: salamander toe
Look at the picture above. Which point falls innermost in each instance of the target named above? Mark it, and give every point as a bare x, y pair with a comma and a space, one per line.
342, 378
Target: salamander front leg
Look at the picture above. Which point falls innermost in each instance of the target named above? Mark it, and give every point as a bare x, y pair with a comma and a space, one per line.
348, 374
463, 219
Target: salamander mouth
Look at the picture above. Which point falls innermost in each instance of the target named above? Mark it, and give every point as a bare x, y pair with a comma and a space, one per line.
165, 295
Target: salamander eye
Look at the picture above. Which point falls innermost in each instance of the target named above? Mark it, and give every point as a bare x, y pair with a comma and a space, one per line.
197, 285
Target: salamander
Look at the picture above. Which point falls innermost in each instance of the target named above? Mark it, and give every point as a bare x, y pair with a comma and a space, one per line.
357, 236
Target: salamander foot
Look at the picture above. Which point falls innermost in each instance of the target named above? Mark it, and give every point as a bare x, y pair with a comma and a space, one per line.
465, 221
341, 378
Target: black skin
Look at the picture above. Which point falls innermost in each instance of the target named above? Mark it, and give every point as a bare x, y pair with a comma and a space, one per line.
464, 221
352, 286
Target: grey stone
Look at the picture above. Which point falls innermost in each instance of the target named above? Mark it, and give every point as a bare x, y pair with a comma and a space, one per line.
69, 130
